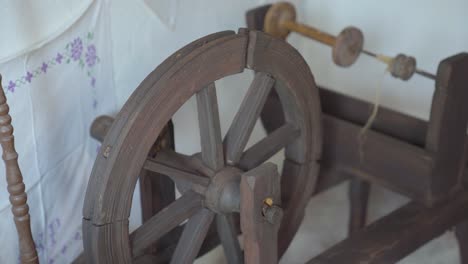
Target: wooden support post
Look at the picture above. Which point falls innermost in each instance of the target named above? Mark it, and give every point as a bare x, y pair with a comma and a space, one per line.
446, 135
402, 167
358, 200
261, 214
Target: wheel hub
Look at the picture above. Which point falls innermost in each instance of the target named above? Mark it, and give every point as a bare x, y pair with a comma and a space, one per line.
223, 193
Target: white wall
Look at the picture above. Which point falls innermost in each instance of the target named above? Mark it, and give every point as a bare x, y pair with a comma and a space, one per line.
428, 30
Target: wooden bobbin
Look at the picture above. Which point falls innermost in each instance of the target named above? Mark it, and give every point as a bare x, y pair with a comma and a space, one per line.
16, 188
280, 20
403, 67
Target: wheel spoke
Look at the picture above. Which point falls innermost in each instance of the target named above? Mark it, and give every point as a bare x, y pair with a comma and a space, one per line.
269, 146
168, 244
197, 182
163, 222
183, 162
192, 237
228, 236
157, 191
210, 129
246, 117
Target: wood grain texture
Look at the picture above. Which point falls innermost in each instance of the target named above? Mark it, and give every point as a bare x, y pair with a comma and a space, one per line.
16, 187
380, 159
228, 236
389, 122
197, 182
192, 238
260, 236
396, 235
210, 128
192, 164
293, 83
239, 132
118, 231
157, 191
107, 206
164, 221
268, 146
448, 114
446, 135
155, 98
298, 95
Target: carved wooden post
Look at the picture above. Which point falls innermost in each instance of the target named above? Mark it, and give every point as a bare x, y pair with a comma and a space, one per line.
16, 186
260, 214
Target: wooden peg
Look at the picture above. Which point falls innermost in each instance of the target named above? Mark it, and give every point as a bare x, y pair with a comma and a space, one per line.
16, 188
100, 127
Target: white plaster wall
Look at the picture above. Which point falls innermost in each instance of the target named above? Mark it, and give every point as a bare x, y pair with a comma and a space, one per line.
428, 30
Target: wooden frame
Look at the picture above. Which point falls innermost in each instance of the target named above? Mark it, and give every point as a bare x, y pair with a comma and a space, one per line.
422, 160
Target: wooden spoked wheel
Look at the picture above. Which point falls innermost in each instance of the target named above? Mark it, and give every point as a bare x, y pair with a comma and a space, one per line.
209, 182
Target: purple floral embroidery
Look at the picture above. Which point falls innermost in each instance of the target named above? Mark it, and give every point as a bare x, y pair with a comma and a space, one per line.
59, 58
11, 86
44, 67
29, 76
76, 49
81, 50
91, 55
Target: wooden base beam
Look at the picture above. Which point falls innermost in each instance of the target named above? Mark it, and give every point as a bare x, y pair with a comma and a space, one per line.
393, 237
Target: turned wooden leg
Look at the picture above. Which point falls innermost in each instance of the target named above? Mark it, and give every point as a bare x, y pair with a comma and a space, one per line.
461, 232
16, 188
358, 200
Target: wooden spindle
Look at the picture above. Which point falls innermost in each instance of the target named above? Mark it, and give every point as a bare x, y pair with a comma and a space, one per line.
16, 188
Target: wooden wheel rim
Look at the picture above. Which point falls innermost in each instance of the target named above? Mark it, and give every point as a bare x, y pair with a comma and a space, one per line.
115, 173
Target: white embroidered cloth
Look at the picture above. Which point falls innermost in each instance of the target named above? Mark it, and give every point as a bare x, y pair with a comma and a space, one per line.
54, 94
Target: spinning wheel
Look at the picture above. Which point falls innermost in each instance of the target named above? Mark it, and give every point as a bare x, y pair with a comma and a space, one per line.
224, 178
